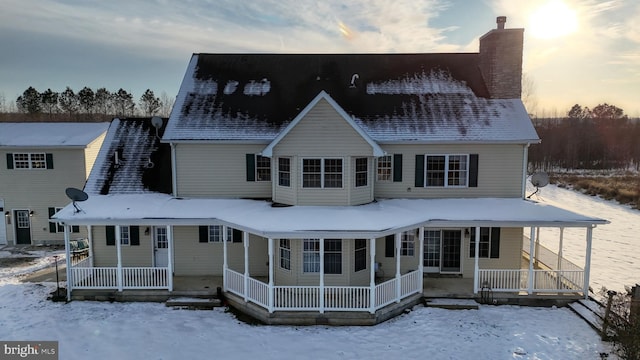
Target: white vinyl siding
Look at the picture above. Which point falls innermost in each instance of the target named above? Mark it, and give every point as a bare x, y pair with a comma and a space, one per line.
499, 172
510, 253
106, 255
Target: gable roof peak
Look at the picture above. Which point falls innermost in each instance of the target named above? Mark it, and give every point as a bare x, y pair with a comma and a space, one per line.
377, 150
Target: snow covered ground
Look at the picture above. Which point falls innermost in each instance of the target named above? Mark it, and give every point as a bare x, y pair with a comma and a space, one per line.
102, 330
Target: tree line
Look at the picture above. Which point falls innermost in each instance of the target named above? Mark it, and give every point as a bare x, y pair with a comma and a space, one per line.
86, 104
602, 138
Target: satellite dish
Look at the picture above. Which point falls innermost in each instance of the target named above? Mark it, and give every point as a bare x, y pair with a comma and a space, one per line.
156, 121
76, 195
539, 179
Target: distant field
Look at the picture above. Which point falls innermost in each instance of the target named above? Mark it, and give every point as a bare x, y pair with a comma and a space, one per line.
624, 188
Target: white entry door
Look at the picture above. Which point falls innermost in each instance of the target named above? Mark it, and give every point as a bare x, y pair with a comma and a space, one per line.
3, 224
161, 246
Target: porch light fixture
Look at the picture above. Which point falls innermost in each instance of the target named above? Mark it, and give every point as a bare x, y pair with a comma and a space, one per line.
7, 214
31, 213
466, 232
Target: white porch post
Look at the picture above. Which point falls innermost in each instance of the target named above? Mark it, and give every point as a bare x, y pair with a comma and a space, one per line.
421, 258
587, 262
537, 246
372, 282
119, 254
560, 248
90, 239
531, 250
224, 258
170, 257
476, 264
321, 276
67, 252
271, 299
245, 240
398, 281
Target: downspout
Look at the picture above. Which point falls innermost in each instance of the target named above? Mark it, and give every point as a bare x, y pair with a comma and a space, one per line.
525, 165
174, 176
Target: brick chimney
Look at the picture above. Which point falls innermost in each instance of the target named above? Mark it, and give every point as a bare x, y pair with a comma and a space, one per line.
501, 61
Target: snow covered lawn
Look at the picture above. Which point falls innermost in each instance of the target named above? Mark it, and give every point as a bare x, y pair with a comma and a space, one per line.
102, 330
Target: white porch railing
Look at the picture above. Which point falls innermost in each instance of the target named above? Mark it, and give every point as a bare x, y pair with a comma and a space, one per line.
144, 278
83, 276
547, 257
543, 280
336, 298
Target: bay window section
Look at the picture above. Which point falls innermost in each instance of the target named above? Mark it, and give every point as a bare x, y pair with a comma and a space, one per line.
284, 171
361, 172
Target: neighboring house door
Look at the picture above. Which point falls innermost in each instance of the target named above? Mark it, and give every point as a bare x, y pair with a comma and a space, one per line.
23, 226
442, 251
3, 224
161, 247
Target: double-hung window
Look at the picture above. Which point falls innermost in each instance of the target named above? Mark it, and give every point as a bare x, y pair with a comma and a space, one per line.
322, 173
284, 171
361, 172
29, 161
285, 254
407, 243
124, 235
263, 168
489, 246
216, 234
385, 168
446, 170
332, 256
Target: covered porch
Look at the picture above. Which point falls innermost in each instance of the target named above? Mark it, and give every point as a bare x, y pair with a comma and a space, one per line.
371, 223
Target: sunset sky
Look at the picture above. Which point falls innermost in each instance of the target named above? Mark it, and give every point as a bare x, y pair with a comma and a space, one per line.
576, 51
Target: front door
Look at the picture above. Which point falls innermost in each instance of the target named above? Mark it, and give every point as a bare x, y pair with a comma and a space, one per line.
23, 226
161, 246
442, 251
3, 224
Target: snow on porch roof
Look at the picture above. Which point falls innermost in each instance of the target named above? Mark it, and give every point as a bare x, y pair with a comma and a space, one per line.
46, 134
372, 220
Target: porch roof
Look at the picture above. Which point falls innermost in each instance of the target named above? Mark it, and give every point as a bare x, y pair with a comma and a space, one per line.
380, 218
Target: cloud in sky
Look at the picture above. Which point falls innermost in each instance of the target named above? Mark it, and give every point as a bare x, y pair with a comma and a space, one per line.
147, 44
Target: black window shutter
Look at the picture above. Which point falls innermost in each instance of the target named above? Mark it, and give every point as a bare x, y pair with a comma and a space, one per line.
237, 236
472, 242
389, 246
473, 170
495, 243
134, 233
419, 171
52, 226
75, 229
111, 235
203, 232
9, 161
397, 167
251, 167
49, 158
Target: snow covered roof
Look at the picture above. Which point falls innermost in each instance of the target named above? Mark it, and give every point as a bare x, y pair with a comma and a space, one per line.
50, 134
392, 97
371, 220
132, 160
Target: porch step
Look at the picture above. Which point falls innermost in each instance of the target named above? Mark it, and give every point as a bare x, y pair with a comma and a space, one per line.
193, 303
451, 304
590, 311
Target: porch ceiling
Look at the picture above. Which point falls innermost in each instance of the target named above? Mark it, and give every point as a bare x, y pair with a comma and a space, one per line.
376, 219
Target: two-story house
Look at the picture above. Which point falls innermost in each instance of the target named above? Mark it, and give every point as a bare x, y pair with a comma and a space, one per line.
327, 183
42, 159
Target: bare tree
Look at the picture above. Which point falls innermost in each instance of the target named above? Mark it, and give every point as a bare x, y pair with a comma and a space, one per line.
528, 96
167, 104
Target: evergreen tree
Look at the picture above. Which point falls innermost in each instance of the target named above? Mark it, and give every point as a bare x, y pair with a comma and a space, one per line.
49, 101
149, 103
87, 100
68, 101
123, 102
103, 101
30, 101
